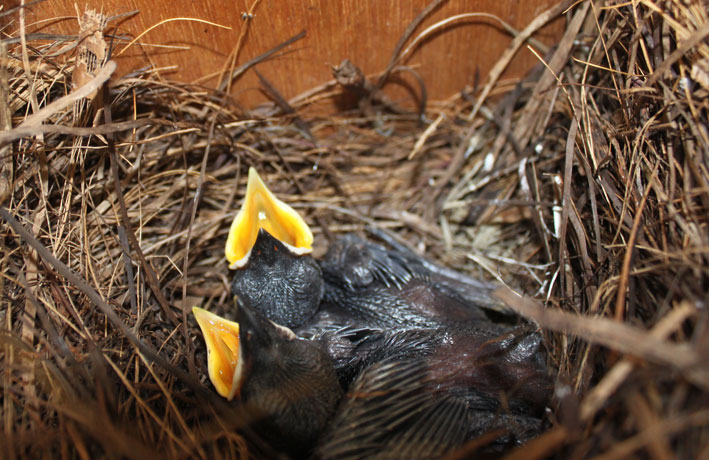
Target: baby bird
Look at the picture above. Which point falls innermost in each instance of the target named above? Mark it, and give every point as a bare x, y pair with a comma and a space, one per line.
391, 288
415, 393
268, 247
287, 385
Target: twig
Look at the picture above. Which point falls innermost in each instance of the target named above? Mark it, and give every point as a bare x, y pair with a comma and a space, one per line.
262, 57
147, 269
611, 381
630, 247
106, 309
512, 49
402, 40
285, 107
101, 77
614, 335
20, 132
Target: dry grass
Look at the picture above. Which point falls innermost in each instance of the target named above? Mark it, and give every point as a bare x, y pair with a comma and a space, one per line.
585, 188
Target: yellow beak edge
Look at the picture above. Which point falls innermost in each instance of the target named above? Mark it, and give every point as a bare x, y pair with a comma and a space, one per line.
224, 357
261, 209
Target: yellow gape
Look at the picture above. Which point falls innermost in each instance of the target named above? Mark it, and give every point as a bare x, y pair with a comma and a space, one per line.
224, 358
261, 209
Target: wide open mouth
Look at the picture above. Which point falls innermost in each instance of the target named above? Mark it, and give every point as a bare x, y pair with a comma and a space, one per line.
261, 209
224, 356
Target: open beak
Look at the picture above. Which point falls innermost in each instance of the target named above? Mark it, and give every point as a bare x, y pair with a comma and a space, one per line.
224, 352
261, 209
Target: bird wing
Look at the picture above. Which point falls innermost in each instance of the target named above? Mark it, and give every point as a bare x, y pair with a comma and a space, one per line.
390, 412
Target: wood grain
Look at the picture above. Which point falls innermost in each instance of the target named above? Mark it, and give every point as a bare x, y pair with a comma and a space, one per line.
364, 31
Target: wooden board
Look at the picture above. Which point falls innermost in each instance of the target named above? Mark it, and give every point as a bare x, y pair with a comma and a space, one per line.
364, 31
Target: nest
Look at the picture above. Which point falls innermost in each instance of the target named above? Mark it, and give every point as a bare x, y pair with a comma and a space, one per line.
585, 188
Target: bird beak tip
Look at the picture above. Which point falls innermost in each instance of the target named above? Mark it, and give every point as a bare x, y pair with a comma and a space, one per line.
262, 210
224, 361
